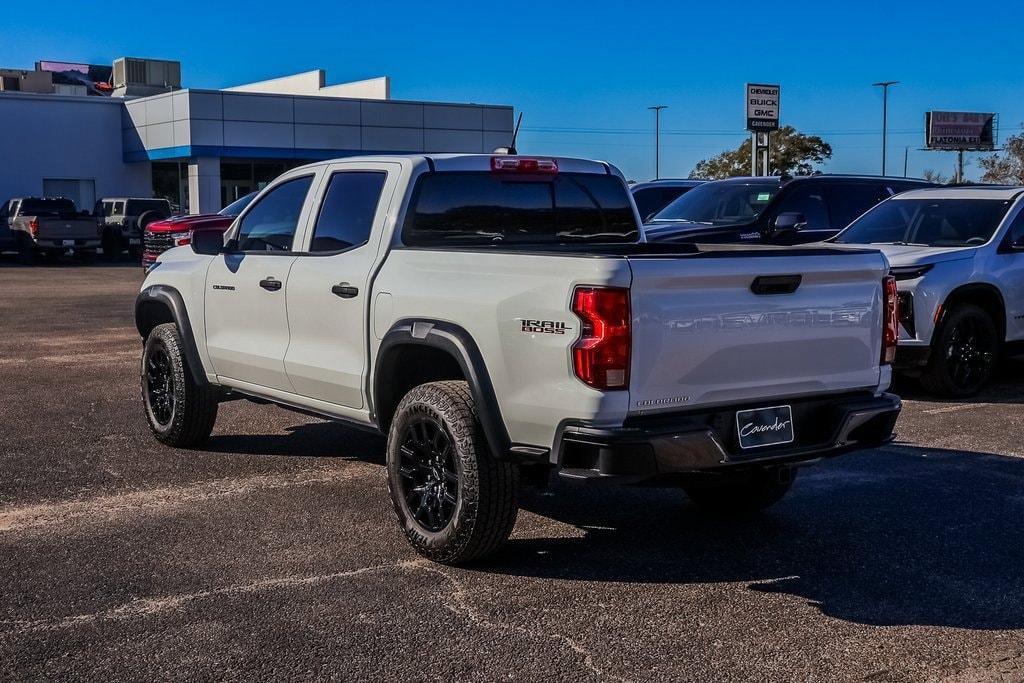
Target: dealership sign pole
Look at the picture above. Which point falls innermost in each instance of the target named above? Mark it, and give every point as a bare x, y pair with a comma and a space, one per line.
960, 131
762, 107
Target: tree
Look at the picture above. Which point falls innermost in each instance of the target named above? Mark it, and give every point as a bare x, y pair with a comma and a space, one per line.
790, 152
1007, 168
934, 177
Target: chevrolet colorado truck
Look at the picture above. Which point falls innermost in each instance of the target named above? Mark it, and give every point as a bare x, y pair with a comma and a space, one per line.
48, 226
501, 317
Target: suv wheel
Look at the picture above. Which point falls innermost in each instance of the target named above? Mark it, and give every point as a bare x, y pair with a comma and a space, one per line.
111, 244
455, 501
180, 412
760, 489
964, 353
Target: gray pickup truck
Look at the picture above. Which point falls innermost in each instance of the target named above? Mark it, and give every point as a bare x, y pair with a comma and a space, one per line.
48, 227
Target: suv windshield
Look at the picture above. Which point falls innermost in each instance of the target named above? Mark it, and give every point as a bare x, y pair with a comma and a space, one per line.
928, 222
470, 208
236, 207
721, 203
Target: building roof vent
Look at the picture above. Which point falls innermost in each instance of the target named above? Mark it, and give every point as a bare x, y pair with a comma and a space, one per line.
134, 77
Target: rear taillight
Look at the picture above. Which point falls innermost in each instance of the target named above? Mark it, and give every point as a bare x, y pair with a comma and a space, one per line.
600, 357
523, 165
33, 227
890, 320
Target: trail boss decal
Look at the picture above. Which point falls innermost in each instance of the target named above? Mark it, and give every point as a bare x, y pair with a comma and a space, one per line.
531, 326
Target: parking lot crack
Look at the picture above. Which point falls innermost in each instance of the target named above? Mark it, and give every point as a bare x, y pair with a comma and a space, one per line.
151, 606
460, 604
64, 515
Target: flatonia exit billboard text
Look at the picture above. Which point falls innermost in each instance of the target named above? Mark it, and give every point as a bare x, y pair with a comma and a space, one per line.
959, 130
762, 107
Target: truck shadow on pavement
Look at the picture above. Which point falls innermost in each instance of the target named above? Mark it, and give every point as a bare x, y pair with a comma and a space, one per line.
897, 536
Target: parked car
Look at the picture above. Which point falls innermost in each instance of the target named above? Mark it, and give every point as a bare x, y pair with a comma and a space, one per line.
48, 226
177, 231
122, 221
499, 317
772, 210
958, 257
654, 196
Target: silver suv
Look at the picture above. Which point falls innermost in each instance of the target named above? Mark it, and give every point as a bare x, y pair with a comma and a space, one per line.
958, 257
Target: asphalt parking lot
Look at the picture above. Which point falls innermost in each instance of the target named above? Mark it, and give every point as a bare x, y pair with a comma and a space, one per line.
273, 552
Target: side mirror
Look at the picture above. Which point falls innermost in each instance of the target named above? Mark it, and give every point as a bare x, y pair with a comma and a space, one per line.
786, 225
207, 242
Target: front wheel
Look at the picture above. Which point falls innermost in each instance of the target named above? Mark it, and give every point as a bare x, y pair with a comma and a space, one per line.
455, 501
755, 491
179, 411
964, 353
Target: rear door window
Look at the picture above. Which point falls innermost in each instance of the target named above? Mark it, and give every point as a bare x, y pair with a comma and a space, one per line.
476, 208
347, 211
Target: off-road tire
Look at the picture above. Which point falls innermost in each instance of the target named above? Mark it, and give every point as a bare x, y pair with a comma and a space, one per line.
194, 408
939, 376
486, 507
26, 251
111, 244
760, 489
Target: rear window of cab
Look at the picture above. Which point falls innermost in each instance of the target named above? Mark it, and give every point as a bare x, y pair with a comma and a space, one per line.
488, 208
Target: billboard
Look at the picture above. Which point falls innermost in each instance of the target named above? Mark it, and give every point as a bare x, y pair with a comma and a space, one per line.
96, 78
957, 130
762, 107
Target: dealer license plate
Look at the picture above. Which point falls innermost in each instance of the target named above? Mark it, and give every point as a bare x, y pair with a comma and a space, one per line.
765, 426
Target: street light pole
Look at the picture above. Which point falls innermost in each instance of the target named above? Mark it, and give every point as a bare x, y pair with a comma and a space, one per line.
657, 138
884, 85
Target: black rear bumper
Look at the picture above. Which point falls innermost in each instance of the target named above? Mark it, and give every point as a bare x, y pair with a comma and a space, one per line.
663, 446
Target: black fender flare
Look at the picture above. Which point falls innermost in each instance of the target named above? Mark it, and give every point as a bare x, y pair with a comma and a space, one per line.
170, 299
459, 344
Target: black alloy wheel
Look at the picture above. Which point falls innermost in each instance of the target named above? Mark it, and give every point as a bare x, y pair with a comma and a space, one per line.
429, 473
970, 353
160, 384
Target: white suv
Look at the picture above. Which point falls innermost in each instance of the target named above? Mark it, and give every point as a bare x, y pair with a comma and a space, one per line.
958, 257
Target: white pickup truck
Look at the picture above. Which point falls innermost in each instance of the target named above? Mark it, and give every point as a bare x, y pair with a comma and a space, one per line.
500, 317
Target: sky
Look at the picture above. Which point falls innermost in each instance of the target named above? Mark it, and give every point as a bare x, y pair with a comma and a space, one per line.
584, 73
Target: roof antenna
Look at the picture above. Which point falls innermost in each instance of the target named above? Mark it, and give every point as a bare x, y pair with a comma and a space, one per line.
511, 149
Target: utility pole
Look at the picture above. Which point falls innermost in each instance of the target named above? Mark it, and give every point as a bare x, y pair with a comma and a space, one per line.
906, 155
884, 85
657, 138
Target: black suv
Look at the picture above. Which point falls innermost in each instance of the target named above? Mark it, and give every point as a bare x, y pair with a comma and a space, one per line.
772, 210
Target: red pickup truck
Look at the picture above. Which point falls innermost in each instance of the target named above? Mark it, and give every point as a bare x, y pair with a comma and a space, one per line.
177, 230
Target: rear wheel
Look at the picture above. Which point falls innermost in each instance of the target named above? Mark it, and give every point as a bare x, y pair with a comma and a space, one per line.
26, 250
111, 243
964, 353
757, 490
455, 501
179, 411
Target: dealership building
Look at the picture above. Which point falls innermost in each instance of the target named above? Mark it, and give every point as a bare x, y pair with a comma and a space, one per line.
139, 134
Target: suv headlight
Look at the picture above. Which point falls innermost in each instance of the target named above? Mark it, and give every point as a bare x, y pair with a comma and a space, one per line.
180, 239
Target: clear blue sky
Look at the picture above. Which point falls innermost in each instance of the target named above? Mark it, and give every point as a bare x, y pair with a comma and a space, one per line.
584, 72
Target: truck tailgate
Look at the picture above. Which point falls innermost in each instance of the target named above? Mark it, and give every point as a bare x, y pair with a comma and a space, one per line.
702, 336
67, 228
